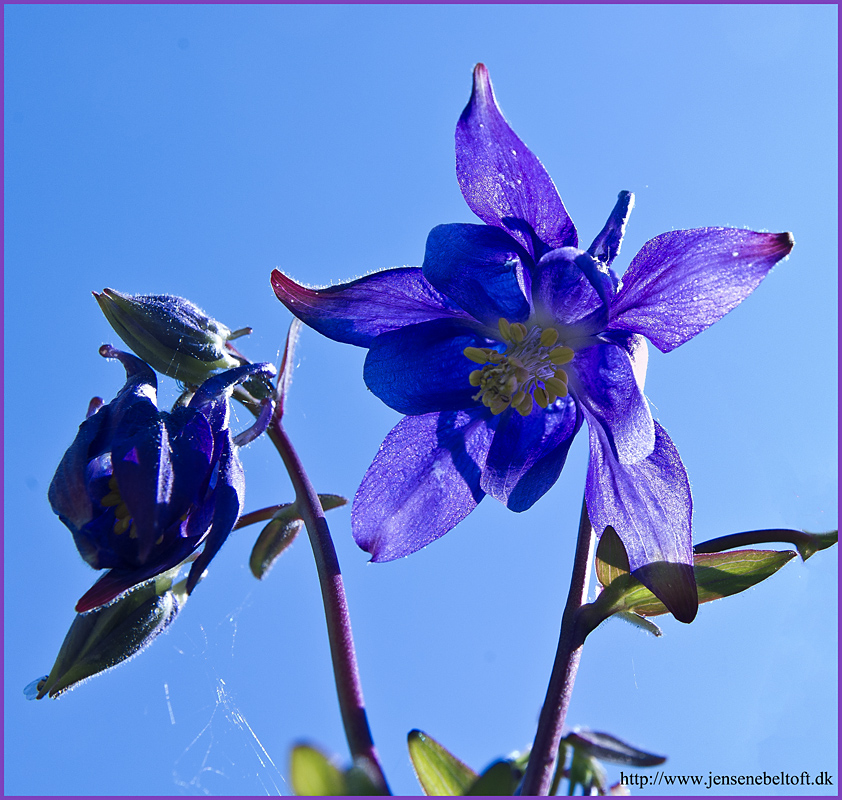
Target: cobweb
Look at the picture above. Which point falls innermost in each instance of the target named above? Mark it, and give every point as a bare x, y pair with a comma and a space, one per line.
226, 756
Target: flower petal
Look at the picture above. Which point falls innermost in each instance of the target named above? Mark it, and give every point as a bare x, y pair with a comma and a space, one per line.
479, 267
117, 581
603, 379
606, 246
227, 500
423, 481
358, 311
650, 507
570, 287
502, 180
528, 453
422, 368
682, 282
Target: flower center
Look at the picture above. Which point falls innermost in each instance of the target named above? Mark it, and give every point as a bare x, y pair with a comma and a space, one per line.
528, 372
123, 519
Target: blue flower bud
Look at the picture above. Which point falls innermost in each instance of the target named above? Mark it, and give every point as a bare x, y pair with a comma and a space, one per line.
141, 490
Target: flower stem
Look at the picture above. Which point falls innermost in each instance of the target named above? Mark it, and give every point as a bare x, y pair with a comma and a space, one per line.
539, 771
346, 673
262, 515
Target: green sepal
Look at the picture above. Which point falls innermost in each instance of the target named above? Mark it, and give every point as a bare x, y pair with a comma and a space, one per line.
313, 774
500, 778
100, 639
438, 771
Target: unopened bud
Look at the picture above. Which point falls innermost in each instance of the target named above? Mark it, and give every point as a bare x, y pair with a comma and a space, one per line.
101, 639
174, 336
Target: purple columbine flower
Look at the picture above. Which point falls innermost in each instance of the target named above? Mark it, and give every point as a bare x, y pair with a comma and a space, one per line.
509, 337
141, 490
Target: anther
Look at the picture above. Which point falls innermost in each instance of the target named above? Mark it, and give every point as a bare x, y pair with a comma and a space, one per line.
505, 328
122, 525
518, 332
476, 355
475, 377
561, 355
524, 408
541, 397
498, 406
549, 336
557, 386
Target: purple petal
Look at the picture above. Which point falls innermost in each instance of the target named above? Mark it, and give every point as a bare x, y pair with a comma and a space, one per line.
117, 581
422, 368
68, 492
603, 379
423, 481
479, 267
650, 507
568, 287
682, 282
502, 180
144, 473
606, 246
528, 453
358, 311
227, 500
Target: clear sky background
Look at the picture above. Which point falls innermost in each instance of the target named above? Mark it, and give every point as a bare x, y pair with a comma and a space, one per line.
191, 149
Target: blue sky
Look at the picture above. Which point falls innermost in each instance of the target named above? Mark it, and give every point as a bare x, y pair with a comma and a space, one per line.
192, 149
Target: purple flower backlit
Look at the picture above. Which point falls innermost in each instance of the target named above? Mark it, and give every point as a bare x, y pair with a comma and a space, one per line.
509, 337
141, 490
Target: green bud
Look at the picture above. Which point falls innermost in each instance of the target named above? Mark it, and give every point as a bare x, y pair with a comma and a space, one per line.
280, 532
173, 336
101, 639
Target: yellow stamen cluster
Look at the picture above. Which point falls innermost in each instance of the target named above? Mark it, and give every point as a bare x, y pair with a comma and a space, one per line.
121, 510
528, 372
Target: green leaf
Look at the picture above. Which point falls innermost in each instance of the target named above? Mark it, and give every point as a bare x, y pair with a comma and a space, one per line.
330, 501
501, 778
438, 771
587, 772
717, 575
606, 747
611, 558
807, 543
640, 622
280, 532
313, 774
363, 779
